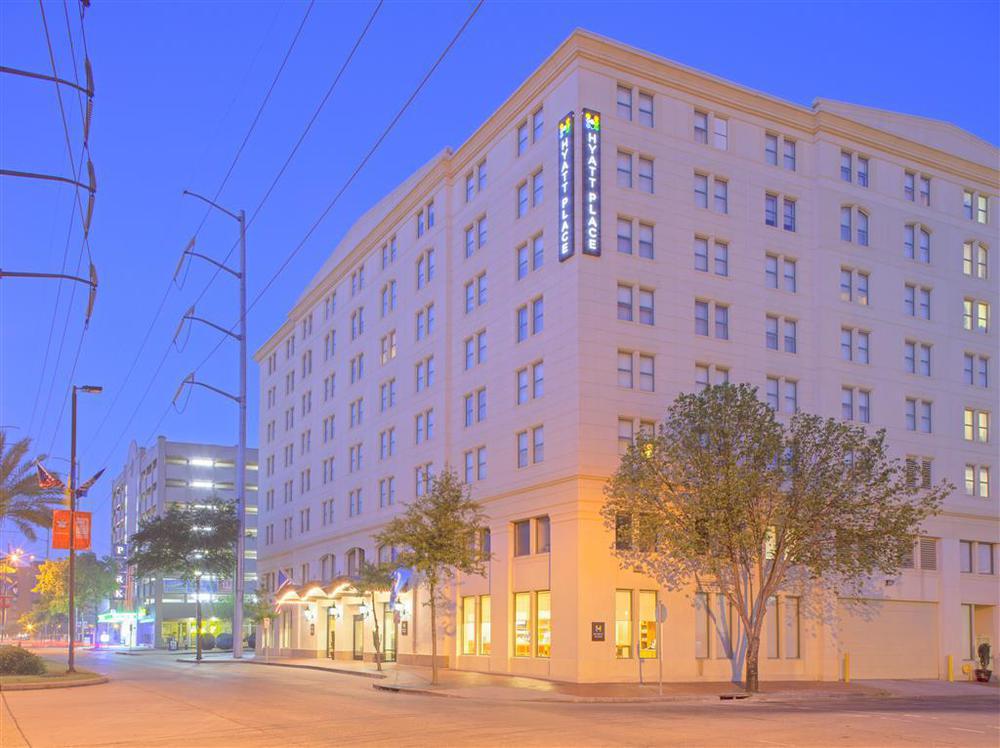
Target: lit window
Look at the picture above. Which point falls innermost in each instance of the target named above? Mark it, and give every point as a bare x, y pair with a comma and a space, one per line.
623, 624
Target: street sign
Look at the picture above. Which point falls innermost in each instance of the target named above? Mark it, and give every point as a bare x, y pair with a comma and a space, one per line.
661, 612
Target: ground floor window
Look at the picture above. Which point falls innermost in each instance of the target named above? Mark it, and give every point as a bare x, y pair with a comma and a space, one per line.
791, 605
782, 623
522, 624
623, 624
469, 625
701, 625
647, 624
723, 627
484, 624
543, 623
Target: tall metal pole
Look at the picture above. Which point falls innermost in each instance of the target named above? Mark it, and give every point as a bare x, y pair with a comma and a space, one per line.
71, 487
241, 451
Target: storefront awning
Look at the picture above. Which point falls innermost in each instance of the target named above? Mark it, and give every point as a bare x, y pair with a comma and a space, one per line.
315, 592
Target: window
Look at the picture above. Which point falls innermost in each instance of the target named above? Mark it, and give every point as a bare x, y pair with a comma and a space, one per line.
977, 425
537, 124
780, 333
780, 272
522, 624
976, 207
720, 132
625, 235
984, 558
854, 285
854, 345
858, 219
624, 302
700, 127
965, 556
624, 169
470, 187
522, 138
975, 260
773, 144
543, 535
481, 176
625, 378
706, 374
916, 243
522, 200
646, 175
537, 188
702, 310
626, 434
918, 415
543, 624
788, 204
625, 102
623, 624
917, 357
646, 307
538, 444
977, 481
388, 347
387, 492
976, 315
537, 315
647, 376
855, 404
720, 193
917, 301
976, 370
854, 168
782, 394
522, 449
522, 538
791, 627
645, 109
918, 471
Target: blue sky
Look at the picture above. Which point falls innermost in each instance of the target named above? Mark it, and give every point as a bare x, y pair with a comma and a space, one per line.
177, 85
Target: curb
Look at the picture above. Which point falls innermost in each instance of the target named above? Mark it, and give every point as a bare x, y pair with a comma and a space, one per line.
338, 671
48, 686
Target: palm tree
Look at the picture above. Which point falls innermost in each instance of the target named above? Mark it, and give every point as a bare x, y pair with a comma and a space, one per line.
22, 502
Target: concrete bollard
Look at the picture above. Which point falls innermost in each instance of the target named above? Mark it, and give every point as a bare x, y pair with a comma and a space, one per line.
847, 667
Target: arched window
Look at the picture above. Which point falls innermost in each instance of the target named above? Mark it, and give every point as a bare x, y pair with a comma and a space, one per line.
328, 566
854, 224
976, 260
916, 242
355, 560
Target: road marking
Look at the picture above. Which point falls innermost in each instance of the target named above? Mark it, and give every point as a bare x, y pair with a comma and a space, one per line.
966, 729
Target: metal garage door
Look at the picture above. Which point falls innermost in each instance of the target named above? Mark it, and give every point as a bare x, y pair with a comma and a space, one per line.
890, 639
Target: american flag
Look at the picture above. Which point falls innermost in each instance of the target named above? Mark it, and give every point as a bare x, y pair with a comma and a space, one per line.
47, 479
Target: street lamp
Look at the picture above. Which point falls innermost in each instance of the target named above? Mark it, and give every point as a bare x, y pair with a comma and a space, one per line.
71, 489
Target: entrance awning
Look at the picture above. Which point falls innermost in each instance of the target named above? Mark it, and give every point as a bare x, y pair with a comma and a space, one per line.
315, 592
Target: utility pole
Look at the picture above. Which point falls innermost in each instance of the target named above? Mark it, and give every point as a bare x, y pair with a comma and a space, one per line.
71, 489
240, 399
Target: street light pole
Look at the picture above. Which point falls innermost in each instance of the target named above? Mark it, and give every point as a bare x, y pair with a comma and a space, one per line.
71, 488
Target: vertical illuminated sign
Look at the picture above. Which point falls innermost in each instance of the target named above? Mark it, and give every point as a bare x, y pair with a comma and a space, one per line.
591, 182
567, 178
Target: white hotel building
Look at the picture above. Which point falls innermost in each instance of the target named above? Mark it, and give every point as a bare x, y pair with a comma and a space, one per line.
843, 259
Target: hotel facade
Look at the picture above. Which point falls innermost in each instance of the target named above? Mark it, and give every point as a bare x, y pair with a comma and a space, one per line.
621, 230
156, 612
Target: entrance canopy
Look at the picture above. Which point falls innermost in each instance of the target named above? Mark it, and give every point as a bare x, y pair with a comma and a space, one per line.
315, 592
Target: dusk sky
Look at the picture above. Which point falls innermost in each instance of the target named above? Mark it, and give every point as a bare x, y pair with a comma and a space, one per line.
177, 85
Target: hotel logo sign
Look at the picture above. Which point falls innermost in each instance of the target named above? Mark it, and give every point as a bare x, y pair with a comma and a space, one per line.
567, 179
591, 182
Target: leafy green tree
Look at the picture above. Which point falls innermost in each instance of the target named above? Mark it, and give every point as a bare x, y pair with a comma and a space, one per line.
189, 542
735, 500
373, 578
95, 582
437, 537
22, 502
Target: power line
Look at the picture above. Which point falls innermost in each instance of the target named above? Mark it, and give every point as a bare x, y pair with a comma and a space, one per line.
291, 255
229, 171
253, 215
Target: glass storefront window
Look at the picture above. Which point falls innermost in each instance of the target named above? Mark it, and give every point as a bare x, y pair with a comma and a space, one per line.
484, 624
469, 625
623, 624
543, 623
647, 624
522, 624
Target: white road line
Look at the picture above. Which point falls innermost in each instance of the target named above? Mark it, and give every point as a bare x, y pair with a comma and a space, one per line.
966, 729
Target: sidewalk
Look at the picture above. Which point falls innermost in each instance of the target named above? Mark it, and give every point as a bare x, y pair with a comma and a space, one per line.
461, 684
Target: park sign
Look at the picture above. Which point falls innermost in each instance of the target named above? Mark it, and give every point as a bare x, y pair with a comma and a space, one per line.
567, 178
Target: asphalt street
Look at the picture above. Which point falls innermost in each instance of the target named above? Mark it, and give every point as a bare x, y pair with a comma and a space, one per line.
153, 700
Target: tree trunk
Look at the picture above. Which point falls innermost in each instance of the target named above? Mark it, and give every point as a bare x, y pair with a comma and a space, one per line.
752, 683
375, 636
197, 614
434, 642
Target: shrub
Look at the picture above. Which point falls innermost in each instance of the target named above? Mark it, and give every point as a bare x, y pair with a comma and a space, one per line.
18, 661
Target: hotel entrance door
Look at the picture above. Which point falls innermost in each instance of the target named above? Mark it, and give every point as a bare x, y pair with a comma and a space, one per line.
359, 637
